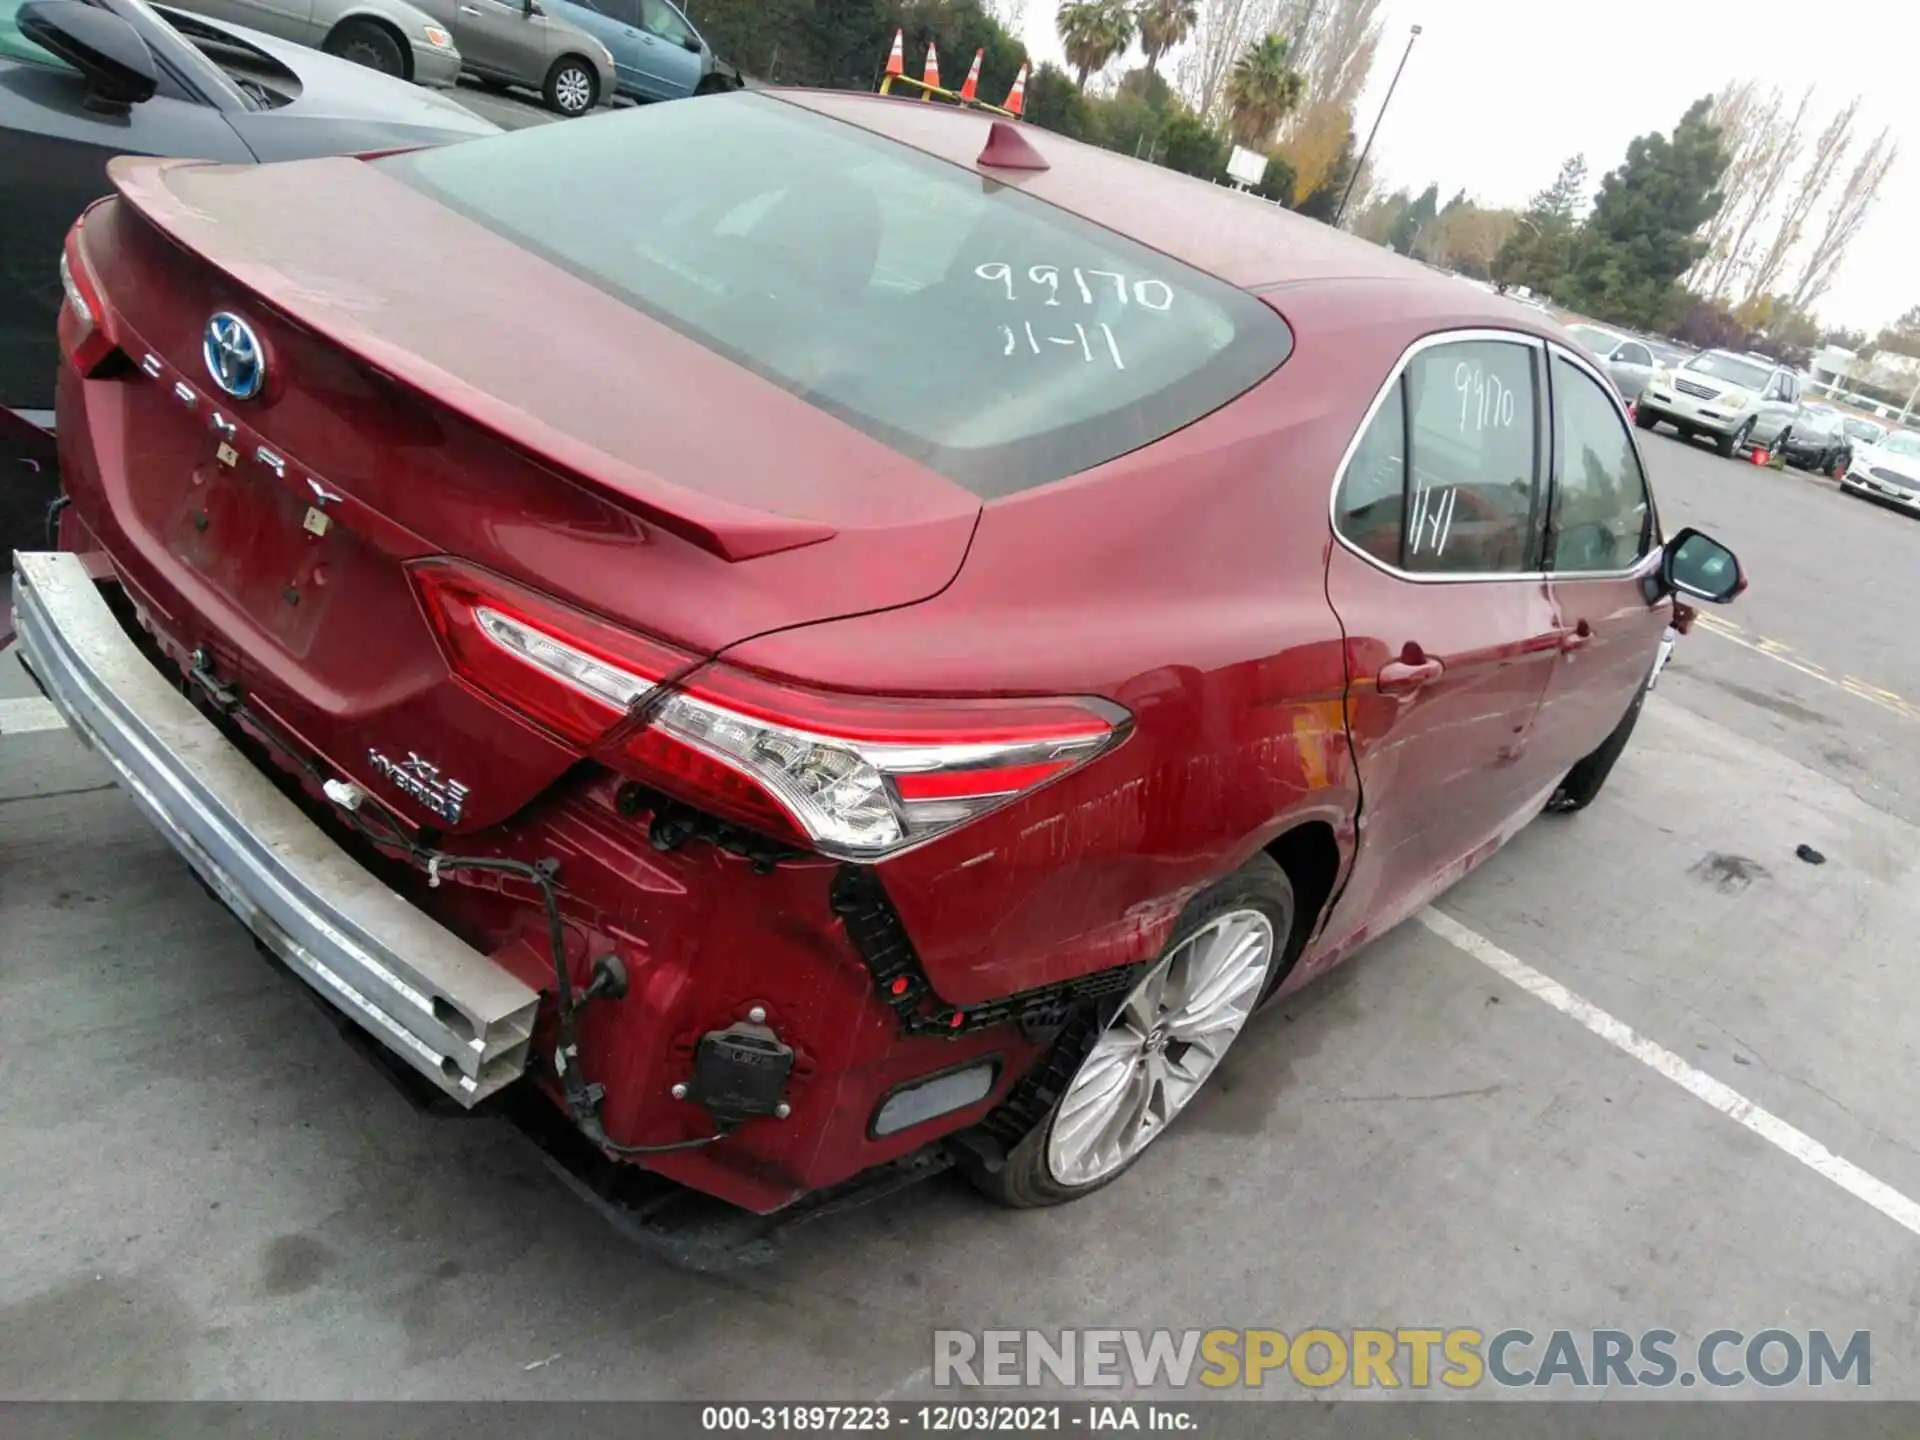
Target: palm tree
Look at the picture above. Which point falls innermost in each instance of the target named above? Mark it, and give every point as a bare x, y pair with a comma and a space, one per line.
1093, 32
1163, 25
1262, 90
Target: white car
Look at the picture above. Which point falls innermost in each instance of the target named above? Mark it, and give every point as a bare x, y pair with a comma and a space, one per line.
1888, 469
1737, 400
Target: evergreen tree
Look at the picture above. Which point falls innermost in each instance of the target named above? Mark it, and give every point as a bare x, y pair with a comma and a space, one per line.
1640, 238
1537, 252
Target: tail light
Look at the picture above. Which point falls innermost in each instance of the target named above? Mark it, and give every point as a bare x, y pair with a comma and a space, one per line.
83, 316
854, 776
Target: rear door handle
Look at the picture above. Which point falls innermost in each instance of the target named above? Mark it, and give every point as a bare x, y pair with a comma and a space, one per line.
1402, 677
1577, 638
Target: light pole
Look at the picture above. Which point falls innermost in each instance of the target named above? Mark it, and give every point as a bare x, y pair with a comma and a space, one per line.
1367, 149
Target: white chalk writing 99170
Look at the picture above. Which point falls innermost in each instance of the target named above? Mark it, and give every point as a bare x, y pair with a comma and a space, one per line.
1148, 294
1485, 402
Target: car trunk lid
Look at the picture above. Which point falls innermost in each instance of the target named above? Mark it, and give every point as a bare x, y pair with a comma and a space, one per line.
433, 390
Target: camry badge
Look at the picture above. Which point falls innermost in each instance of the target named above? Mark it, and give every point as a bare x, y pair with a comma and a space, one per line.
234, 358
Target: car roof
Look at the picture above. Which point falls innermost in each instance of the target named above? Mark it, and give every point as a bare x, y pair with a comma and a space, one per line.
1239, 238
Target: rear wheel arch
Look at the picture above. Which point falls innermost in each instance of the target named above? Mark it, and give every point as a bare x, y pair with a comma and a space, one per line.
1310, 855
362, 20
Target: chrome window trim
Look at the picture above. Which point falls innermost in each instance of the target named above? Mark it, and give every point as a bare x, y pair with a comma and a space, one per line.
1548, 350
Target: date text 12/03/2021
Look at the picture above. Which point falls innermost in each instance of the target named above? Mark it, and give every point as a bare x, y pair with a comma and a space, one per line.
947, 1419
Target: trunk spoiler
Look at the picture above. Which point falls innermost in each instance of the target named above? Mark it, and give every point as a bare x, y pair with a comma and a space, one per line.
732, 532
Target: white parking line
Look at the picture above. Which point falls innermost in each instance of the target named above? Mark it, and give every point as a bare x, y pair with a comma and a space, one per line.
21, 717
1729, 1102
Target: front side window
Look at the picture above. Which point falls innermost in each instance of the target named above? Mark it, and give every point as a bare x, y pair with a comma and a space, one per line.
1602, 517
627, 12
994, 338
1444, 479
1631, 354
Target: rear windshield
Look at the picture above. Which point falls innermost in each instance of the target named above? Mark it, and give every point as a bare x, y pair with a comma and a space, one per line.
996, 339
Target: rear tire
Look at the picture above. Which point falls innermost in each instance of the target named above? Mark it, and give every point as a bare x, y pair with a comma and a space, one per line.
1108, 1057
365, 43
572, 87
1586, 779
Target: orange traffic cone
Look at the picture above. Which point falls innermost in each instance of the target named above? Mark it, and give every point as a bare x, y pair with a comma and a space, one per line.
932, 75
970, 89
1017, 97
897, 61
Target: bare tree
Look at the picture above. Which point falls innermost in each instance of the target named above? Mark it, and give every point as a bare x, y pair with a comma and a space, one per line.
1225, 29
1334, 42
1829, 153
1765, 146
1745, 118
1844, 220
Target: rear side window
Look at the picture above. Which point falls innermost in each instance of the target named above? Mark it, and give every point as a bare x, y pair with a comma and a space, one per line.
999, 340
1445, 479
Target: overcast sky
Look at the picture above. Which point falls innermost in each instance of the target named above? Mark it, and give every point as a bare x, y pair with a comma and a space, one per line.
1499, 92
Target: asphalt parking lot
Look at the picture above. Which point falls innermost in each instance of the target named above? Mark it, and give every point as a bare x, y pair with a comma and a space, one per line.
207, 1194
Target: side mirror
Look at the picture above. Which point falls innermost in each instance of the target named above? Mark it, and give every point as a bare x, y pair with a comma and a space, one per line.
106, 50
1700, 567
692, 42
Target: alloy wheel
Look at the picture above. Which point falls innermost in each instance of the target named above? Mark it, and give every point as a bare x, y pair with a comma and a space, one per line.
1157, 1052
573, 87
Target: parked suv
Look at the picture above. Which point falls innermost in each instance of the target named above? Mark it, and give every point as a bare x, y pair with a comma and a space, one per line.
1738, 401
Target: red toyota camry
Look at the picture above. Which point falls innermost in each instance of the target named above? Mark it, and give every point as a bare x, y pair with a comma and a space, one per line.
810, 630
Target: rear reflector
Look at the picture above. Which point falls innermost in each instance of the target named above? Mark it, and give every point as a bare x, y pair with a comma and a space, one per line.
937, 1095
82, 324
855, 776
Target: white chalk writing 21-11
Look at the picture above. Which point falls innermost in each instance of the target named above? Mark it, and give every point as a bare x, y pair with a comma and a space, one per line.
1091, 285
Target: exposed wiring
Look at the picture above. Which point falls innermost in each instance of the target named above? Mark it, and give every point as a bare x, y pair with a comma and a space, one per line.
582, 1104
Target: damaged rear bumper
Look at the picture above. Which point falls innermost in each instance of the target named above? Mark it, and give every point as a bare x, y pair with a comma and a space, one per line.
440, 1006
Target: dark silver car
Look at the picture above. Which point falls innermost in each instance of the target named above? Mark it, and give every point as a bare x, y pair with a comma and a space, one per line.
83, 82
391, 36
516, 42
